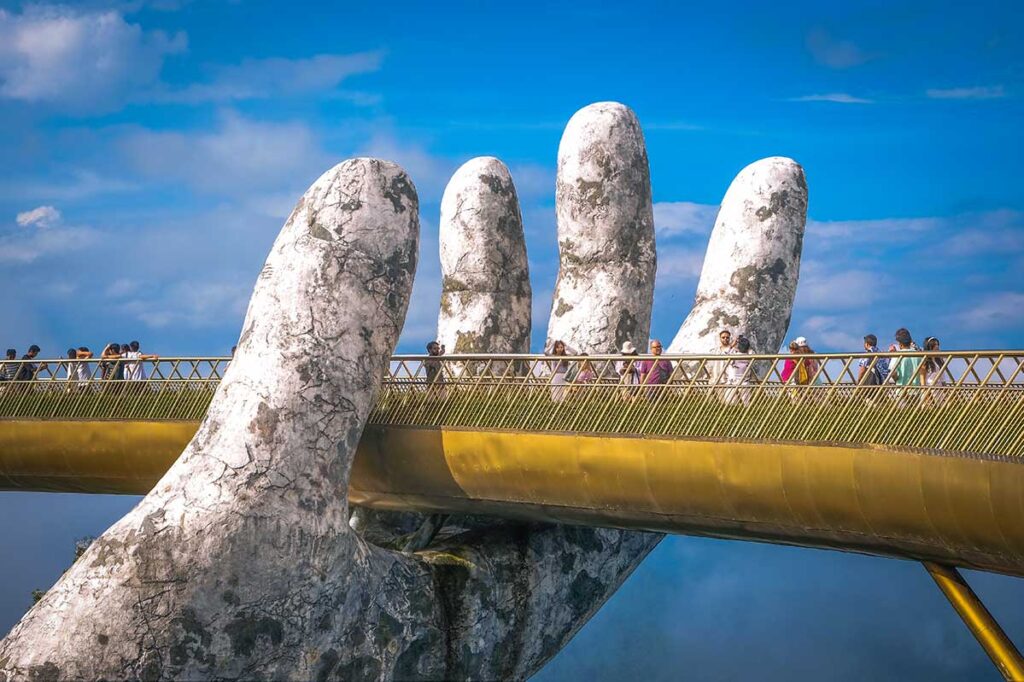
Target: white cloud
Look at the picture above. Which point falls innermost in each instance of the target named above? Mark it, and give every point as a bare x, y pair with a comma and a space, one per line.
275, 77
960, 235
193, 304
42, 217
533, 180
677, 264
886, 230
429, 173
995, 312
831, 332
82, 60
836, 97
823, 286
833, 52
241, 158
673, 218
71, 185
43, 235
977, 92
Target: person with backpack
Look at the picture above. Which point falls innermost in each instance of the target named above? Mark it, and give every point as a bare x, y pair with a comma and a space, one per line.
872, 371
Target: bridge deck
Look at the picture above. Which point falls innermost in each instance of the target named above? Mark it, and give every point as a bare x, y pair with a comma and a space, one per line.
919, 471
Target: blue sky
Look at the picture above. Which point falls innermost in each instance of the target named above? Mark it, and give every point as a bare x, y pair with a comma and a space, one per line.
151, 151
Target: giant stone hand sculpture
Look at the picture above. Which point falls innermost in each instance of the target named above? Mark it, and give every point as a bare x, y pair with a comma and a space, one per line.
241, 563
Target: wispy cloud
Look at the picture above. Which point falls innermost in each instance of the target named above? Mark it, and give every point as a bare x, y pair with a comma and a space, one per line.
429, 172
240, 158
976, 92
42, 216
835, 97
824, 286
996, 311
833, 52
678, 264
278, 77
674, 218
41, 233
78, 60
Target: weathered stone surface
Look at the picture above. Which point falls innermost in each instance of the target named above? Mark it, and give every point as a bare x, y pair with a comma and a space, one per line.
753, 260
607, 258
240, 563
485, 286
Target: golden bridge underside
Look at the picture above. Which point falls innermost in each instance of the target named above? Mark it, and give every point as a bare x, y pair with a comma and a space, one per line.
960, 510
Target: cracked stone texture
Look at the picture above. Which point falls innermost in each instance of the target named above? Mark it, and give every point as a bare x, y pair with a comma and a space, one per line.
485, 286
240, 563
607, 259
752, 264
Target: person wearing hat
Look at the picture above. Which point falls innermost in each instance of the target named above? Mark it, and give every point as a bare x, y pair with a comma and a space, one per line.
798, 370
627, 369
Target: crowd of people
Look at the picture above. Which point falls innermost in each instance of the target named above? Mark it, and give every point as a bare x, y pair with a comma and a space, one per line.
896, 366
118, 361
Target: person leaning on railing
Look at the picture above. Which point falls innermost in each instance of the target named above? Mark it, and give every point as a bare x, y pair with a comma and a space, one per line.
79, 371
110, 362
27, 370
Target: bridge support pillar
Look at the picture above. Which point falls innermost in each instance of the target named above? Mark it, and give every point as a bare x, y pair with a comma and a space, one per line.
978, 620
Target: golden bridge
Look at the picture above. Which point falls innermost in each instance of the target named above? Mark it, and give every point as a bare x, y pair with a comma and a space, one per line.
928, 469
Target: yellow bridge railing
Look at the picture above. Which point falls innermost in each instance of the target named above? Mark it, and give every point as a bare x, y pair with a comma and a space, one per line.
961, 403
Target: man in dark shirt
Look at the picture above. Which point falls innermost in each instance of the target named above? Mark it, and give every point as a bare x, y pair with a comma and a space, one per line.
433, 367
27, 371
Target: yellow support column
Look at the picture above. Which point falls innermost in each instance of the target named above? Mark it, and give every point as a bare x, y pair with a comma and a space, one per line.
978, 620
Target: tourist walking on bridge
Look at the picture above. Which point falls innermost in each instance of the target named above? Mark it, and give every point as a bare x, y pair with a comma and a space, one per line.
8, 370
905, 370
434, 370
654, 372
629, 374
737, 374
932, 373
872, 371
724, 346
798, 370
559, 369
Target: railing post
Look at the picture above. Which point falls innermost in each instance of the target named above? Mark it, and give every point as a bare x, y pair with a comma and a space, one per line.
978, 620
